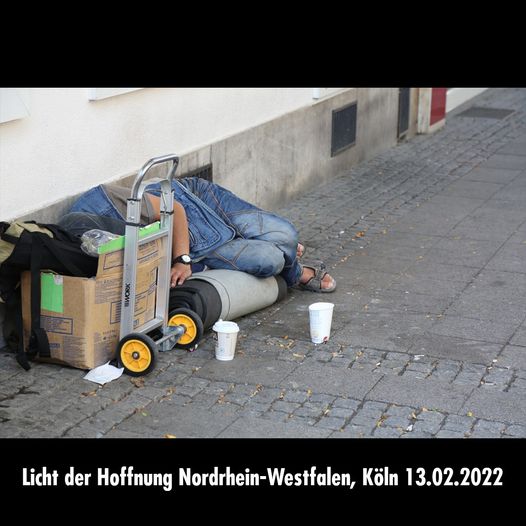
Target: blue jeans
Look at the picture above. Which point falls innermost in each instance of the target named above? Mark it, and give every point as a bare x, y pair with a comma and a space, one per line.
265, 244
225, 231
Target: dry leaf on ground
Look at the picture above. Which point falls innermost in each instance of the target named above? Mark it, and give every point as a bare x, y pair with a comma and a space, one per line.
89, 393
137, 382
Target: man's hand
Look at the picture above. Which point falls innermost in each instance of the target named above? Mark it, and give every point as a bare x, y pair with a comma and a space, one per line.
180, 272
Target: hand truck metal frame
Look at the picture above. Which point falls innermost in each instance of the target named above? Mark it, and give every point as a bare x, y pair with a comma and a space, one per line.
136, 350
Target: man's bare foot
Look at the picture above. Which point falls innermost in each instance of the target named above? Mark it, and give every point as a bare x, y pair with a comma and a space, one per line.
327, 281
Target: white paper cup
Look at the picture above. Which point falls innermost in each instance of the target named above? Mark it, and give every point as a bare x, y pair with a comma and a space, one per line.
226, 339
320, 317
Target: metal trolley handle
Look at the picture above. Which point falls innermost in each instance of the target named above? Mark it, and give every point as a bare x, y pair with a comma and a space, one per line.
132, 243
138, 186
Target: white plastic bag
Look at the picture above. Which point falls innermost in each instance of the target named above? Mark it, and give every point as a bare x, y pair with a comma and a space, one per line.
93, 239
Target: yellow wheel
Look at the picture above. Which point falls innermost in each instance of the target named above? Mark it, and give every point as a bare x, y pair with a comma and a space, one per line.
136, 353
192, 324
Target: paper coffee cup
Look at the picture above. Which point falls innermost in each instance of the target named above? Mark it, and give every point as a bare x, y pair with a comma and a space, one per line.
320, 317
226, 339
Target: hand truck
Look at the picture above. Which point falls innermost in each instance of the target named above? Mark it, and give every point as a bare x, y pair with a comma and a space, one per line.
136, 350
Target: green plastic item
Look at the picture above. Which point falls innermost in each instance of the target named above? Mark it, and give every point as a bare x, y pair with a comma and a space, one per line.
52, 295
118, 244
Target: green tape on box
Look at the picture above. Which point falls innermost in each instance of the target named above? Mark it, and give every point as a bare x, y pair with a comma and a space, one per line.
52, 293
118, 244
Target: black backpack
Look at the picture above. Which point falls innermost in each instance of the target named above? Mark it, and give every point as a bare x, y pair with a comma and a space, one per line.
34, 246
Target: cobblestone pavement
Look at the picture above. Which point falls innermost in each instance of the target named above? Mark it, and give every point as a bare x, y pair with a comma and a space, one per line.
428, 244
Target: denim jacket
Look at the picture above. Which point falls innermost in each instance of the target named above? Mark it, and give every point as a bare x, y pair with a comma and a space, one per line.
206, 229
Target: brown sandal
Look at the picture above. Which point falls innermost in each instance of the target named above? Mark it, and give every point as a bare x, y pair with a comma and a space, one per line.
314, 283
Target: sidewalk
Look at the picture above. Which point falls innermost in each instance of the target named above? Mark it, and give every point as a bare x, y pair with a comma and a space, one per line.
428, 244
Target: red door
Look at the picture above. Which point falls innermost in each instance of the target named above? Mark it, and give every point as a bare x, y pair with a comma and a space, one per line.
438, 105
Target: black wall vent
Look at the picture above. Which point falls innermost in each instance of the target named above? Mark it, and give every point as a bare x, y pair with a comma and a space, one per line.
204, 172
343, 128
404, 104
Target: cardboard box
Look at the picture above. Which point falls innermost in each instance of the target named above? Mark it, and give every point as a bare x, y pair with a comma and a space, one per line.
81, 316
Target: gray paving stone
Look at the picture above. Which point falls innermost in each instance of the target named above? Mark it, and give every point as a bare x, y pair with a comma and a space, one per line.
251, 370
331, 422
484, 433
396, 421
496, 405
387, 264
387, 432
420, 393
117, 433
490, 426
519, 338
427, 286
368, 420
510, 258
446, 433
403, 411
389, 331
346, 403
498, 376
370, 355
500, 285
388, 251
246, 427
207, 401
320, 398
425, 225
506, 162
419, 375
183, 422
295, 396
285, 407
518, 383
262, 394
405, 302
516, 147
310, 411
517, 431
238, 394
458, 423
429, 269
404, 239
455, 205
476, 305
370, 406
511, 192
353, 431
276, 416
472, 329
465, 255
489, 223
425, 426
519, 237
474, 189
257, 407
450, 347
341, 412
329, 380
303, 420
491, 175
417, 434
468, 379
